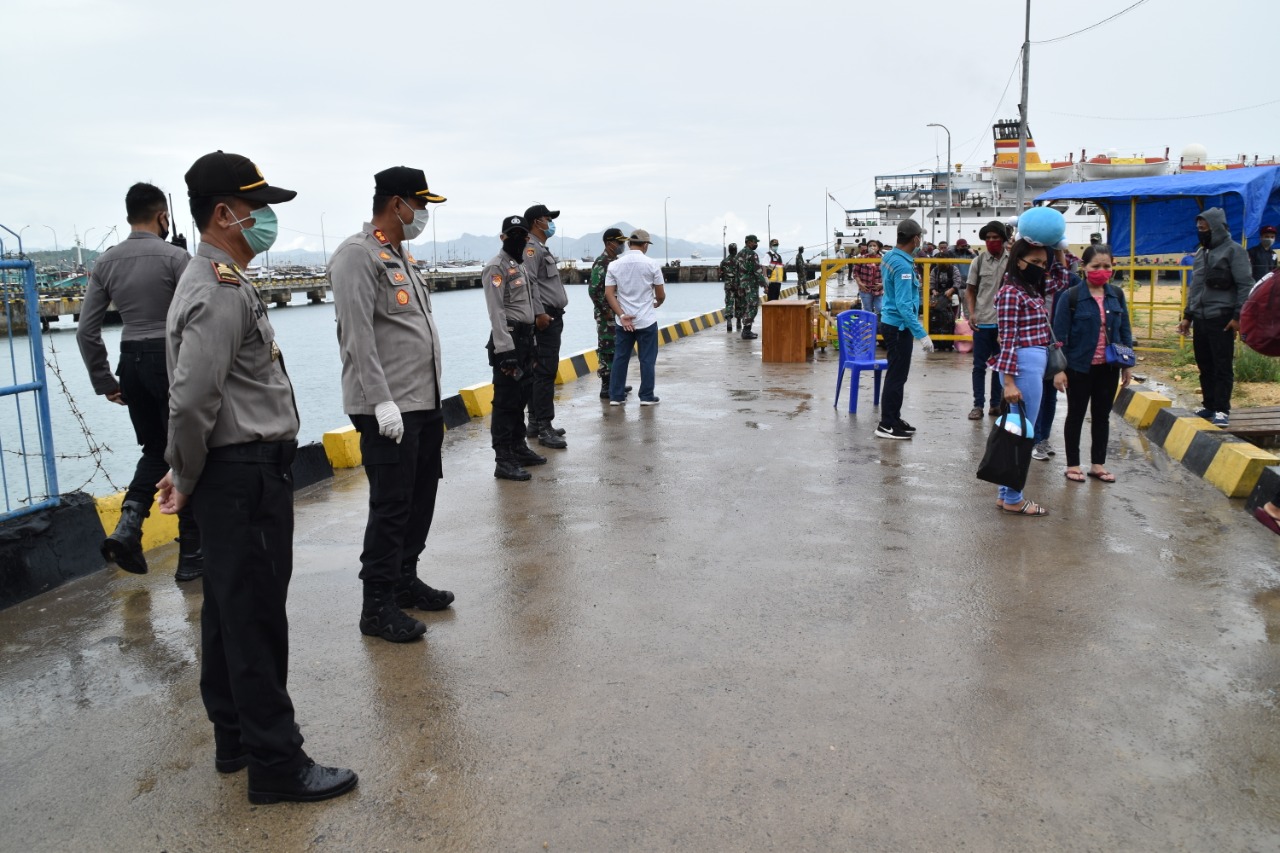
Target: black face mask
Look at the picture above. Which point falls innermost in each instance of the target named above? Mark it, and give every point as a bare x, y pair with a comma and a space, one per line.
1033, 277
514, 246
164, 232
1205, 237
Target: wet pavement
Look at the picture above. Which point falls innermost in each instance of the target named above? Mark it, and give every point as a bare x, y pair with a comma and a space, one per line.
734, 621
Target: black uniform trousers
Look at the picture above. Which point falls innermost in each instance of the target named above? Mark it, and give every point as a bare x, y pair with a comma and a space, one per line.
542, 407
145, 385
244, 504
511, 394
403, 480
1215, 350
898, 346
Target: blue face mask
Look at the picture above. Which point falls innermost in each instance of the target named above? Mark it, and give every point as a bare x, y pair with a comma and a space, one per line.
551, 227
262, 234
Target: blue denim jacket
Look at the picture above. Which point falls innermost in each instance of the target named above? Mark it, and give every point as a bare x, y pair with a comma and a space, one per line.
1078, 331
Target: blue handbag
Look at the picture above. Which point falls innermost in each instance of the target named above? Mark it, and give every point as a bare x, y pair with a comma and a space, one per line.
1121, 355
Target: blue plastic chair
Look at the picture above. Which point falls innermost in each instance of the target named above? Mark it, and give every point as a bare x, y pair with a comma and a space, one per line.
857, 333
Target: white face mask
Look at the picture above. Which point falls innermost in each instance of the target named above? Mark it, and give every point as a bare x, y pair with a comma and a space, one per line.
414, 227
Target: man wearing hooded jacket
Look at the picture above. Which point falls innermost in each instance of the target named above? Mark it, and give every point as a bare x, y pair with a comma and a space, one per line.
1221, 279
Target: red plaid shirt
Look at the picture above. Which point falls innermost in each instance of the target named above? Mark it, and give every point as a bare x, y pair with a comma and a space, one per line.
868, 276
1023, 319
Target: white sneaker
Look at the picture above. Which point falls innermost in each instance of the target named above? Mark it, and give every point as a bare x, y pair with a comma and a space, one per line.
1040, 451
652, 402
616, 402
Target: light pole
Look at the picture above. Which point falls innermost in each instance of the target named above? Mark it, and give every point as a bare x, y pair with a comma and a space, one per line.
55, 237
768, 223
433, 237
944, 127
323, 248
666, 234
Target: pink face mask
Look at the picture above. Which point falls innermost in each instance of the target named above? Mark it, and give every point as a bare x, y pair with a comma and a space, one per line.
1097, 277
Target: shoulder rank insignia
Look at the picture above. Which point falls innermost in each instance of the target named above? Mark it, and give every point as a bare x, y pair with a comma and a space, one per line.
528, 253
402, 297
380, 237
496, 279
386, 256
412, 259
398, 277
226, 273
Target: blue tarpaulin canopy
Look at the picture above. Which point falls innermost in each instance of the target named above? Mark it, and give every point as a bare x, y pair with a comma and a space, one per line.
1164, 209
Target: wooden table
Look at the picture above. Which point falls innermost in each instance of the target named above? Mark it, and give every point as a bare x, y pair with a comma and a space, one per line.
787, 330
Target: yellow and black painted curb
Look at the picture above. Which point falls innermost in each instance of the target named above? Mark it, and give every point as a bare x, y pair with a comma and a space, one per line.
1231, 464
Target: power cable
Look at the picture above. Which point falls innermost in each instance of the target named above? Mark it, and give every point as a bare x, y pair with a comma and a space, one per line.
1171, 118
1092, 26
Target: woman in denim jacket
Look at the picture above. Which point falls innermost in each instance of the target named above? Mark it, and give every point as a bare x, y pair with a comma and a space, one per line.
1089, 382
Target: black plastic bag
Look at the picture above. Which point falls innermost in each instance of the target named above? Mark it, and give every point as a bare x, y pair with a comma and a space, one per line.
1008, 456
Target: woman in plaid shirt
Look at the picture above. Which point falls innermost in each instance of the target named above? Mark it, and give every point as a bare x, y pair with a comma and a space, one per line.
1023, 318
870, 287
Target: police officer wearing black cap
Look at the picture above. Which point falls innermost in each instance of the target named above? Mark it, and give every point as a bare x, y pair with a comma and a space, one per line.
513, 309
233, 427
550, 300
138, 277
391, 392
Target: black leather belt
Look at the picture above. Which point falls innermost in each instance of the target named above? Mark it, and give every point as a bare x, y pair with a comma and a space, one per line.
254, 451
148, 345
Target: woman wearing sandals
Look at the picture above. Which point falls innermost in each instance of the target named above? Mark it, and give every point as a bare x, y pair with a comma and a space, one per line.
1090, 382
1022, 316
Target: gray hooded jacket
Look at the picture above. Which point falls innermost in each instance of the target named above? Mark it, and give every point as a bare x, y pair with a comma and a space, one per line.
1221, 277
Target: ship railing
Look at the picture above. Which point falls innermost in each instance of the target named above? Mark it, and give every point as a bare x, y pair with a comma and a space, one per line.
28, 390
1155, 307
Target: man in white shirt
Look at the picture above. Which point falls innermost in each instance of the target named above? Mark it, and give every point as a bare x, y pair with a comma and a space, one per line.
633, 287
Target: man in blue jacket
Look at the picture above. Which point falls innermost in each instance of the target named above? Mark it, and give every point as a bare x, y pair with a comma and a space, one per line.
900, 327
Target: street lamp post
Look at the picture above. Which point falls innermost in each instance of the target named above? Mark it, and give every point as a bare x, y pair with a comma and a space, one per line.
324, 250
768, 223
944, 127
666, 234
55, 237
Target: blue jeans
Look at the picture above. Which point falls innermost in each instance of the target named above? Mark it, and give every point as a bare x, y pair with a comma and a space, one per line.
646, 340
1048, 410
872, 303
985, 345
1030, 381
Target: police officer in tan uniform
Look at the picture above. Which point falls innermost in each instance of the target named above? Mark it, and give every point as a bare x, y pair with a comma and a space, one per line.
549, 301
391, 391
509, 296
233, 429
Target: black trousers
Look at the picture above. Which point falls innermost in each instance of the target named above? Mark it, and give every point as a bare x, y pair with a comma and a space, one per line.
898, 346
1215, 350
244, 504
774, 290
1094, 391
542, 405
511, 395
145, 385
403, 479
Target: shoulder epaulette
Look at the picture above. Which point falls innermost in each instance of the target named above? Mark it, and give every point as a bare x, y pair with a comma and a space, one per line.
380, 237
225, 273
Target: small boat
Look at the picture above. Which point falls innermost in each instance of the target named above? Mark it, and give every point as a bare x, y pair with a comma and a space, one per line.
696, 255
1109, 165
1039, 174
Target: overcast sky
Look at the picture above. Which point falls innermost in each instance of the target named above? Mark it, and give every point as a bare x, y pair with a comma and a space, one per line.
738, 111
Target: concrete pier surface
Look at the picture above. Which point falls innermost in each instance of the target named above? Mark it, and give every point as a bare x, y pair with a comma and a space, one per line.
733, 621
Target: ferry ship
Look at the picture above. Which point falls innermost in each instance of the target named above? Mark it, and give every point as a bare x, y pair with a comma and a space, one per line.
989, 192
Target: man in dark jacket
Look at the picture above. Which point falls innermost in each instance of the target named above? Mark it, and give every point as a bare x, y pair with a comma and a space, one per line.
1262, 257
1221, 279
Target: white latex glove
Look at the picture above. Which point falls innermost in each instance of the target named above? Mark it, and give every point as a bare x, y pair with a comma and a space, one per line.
926, 344
390, 423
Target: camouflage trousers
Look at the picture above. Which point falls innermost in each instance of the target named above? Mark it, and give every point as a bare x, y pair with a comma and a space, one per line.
747, 303
730, 301
606, 337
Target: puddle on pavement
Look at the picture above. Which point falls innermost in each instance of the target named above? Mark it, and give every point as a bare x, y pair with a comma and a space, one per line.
1268, 601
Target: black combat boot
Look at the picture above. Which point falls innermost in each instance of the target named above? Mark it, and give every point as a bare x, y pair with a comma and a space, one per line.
380, 616
728, 327
549, 436
124, 546
507, 468
604, 389
747, 334
190, 556
412, 592
525, 455
532, 429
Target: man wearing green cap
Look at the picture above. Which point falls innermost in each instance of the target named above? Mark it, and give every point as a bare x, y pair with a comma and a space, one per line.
728, 275
750, 278
614, 240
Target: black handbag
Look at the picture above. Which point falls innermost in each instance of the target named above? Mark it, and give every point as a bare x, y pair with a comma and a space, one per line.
1008, 456
1056, 362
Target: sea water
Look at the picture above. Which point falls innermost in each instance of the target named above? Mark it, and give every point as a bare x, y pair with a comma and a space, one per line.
308, 340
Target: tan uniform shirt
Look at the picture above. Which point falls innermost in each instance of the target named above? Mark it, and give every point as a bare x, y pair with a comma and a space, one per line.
387, 335
549, 295
227, 382
985, 276
138, 276
508, 294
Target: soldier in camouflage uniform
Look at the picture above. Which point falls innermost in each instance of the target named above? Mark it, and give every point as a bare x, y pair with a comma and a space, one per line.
750, 278
614, 242
728, 275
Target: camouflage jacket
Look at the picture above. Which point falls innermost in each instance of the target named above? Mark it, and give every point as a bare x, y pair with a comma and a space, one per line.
749, 272
595, 286
728, 270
